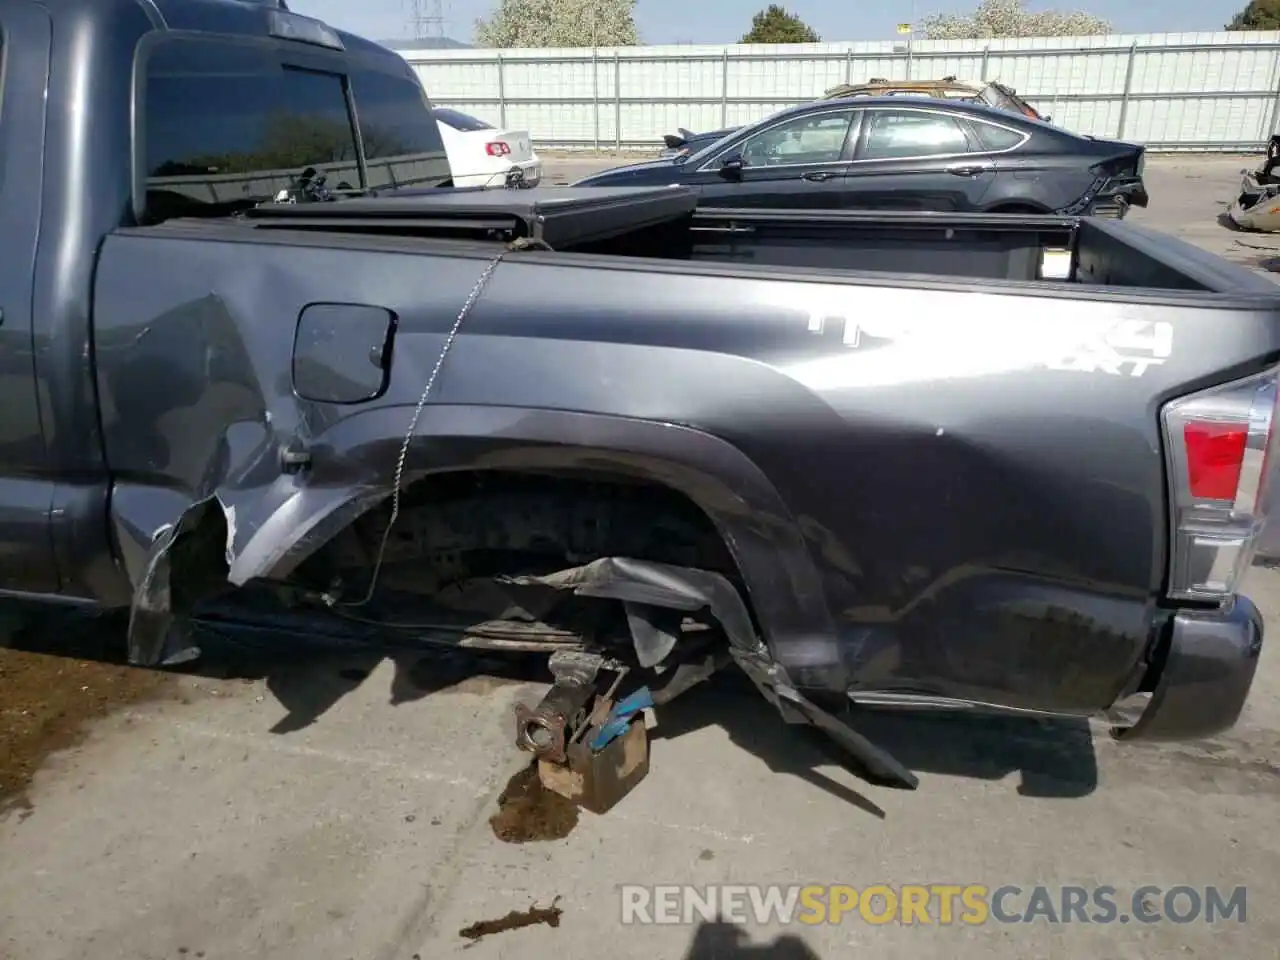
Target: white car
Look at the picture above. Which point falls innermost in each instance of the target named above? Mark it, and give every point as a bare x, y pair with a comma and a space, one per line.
481, 155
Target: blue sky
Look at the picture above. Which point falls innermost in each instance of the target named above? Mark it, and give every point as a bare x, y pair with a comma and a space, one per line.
724, 21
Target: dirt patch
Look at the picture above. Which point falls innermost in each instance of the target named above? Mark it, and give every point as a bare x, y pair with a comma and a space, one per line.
529, 811
45, 704
515, 920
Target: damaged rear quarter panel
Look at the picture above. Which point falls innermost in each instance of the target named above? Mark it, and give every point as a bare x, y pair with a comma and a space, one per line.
198, 405
916, 533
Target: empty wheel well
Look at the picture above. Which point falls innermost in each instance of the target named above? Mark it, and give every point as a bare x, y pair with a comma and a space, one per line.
458, 526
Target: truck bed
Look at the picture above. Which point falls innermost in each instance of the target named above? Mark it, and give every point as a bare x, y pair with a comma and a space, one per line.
665, 224
947, 485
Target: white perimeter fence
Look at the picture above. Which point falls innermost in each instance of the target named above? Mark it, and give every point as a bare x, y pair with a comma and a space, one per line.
1171, 91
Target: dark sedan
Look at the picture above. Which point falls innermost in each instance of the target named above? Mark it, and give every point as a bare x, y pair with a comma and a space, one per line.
883, 153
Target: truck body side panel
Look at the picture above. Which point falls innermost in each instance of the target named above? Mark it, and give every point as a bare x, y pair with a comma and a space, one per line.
66, 157
26, 484
976, 479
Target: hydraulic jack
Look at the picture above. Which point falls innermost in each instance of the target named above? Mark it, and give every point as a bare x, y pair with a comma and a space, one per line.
587, 750
597, 756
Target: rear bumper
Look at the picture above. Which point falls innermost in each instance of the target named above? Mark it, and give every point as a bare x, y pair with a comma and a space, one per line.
1203, 673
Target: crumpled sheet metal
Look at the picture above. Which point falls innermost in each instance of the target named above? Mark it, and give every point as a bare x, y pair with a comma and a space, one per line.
685, 588
1256, 205
262, 530
658, 585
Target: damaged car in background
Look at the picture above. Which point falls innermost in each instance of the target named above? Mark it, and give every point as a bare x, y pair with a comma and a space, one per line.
900, 153
1257, 205
874, 460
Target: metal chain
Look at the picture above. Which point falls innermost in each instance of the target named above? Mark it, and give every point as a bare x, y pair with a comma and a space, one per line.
413, 424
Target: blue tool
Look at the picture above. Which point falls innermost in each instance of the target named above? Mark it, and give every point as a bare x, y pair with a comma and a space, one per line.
620, 717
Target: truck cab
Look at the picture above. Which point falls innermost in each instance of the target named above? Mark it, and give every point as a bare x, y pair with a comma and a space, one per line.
116, 112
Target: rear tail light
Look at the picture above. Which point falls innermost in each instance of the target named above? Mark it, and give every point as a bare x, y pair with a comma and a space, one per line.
497, 149
1220, 448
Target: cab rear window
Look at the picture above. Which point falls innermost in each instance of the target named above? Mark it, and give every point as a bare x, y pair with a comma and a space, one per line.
402, 142
226, 123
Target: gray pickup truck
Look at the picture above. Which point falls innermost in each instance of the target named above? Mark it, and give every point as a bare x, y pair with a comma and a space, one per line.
261, 364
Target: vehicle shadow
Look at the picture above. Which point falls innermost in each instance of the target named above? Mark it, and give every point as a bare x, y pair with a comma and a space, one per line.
306, 675
1055, 758
721, 940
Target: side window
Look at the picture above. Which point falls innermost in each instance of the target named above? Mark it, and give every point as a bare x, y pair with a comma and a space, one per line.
892, 135
226, 123
808, 139
996, 138
402, 143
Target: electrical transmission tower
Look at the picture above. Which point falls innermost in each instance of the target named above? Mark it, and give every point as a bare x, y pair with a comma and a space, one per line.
426, 18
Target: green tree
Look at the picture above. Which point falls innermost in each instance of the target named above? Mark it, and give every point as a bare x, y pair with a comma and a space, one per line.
1011, 18
559, 23
775, 25
1258, 15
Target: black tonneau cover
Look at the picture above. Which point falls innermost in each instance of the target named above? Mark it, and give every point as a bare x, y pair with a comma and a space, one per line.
559, 216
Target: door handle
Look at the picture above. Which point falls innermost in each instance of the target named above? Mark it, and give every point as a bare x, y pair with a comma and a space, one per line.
968, 169
820, 176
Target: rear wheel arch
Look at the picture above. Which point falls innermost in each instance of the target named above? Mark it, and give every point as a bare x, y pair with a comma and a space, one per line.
484, 521
765, 543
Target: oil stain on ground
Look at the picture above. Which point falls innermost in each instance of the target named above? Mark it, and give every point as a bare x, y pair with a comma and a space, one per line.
515, 920
528, 811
